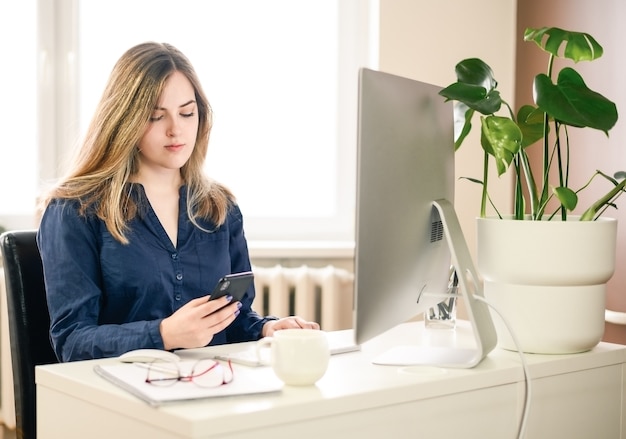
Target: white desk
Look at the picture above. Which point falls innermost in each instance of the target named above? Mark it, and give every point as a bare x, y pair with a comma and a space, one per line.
573, 396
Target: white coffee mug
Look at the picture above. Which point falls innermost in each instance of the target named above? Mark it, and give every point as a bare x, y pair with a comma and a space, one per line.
299, 357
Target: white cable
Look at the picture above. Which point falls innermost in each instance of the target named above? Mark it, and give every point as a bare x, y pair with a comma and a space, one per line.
526, 408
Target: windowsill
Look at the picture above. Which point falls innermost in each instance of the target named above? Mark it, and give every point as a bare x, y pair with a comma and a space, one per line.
318, 249
301, 249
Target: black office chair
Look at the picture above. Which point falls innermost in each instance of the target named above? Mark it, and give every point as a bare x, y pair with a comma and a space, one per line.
29, 323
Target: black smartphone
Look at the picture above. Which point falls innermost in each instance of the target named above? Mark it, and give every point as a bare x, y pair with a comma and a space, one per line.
234, 284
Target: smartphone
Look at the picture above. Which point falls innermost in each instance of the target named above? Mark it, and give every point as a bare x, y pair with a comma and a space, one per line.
234, 284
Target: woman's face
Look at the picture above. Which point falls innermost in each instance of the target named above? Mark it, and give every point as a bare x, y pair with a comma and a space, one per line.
170, 136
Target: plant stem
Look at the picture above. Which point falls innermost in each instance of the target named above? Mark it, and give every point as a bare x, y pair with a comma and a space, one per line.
483, 200
559, 161
590, 214
519, 208
530, 182
546, 147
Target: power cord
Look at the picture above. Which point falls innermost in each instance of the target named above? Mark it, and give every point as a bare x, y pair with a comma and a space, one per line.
527, 391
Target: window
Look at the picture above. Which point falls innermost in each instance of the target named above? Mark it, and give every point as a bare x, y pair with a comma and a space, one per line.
281, 77
18, 177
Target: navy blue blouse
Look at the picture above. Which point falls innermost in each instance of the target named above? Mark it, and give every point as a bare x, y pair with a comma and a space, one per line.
106, 298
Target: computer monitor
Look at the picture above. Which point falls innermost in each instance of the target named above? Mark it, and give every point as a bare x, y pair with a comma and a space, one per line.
407, 232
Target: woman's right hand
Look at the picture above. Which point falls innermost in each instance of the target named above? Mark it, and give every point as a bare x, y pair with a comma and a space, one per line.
195, 324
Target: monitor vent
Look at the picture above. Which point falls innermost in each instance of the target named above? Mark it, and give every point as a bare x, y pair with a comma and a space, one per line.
436, 231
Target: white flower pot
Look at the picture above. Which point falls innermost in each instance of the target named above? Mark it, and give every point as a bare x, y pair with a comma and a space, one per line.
548, 279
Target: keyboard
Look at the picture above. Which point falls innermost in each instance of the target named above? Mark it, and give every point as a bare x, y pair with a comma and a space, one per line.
339, 342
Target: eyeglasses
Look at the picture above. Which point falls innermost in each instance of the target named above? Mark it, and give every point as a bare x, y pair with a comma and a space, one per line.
203, 373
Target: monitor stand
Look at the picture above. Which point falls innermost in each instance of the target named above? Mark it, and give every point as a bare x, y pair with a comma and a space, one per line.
478, 312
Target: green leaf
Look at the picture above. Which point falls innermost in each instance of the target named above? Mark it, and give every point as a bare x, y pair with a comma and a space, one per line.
572, 103
579, 46
608, 199
473, 180
530, 122
475, 87
475, 71
501, 138
567, 197
474, 96
619, 175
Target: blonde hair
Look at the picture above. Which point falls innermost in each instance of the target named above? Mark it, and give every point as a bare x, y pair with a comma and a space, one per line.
108, 156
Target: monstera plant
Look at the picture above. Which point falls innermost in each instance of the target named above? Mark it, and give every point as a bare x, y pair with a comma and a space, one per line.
548, 275
562, 100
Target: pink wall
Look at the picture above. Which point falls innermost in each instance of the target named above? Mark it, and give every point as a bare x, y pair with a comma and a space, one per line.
602, 19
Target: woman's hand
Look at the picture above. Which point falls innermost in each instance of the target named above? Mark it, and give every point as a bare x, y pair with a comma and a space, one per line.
287, 323
195, 324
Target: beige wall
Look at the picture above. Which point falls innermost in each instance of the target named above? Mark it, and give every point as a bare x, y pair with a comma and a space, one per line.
424, 40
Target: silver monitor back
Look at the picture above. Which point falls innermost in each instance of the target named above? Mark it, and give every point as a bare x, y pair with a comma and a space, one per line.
405, 173
405, 161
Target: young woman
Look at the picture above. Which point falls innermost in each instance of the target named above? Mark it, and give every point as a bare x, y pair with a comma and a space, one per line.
135, 236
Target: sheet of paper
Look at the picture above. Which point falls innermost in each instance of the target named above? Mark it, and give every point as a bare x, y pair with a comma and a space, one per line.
132, 378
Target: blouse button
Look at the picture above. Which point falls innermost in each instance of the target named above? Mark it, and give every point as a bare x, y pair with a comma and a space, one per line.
174, 256
179, 276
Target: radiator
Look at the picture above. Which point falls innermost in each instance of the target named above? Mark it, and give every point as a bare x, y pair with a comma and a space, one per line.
324, 295
7, 402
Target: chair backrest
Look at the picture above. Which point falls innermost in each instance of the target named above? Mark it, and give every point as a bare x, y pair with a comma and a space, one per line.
29, 322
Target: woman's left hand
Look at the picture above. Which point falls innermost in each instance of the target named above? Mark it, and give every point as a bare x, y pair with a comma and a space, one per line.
293, 322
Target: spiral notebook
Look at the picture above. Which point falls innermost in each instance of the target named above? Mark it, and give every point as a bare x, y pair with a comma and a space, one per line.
132, 378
